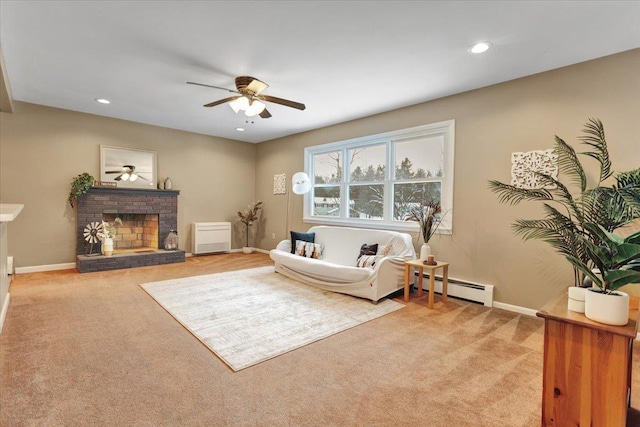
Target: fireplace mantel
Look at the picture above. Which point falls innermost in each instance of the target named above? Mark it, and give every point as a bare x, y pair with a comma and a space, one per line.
137, 191
112, 200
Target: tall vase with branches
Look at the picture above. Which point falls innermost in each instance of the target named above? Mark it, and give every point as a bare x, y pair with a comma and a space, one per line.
573, 212
428, 215
248, 217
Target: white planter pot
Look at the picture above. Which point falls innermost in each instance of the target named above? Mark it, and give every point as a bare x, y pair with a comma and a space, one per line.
425, 251
247, 250
608, 309
576, 299
107, 246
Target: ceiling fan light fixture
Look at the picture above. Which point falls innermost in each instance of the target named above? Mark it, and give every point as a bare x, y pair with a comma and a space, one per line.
125, 176
241, 103
133, 177
255, 108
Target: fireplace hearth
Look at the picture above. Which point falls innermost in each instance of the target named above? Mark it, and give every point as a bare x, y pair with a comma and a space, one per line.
147, 215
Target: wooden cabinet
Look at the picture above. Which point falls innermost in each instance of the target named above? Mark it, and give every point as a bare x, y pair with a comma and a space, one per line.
587, 368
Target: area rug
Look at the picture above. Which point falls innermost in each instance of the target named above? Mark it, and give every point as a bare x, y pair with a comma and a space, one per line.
249, 316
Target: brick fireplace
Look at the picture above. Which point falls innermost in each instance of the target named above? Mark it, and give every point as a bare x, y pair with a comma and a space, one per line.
147, 217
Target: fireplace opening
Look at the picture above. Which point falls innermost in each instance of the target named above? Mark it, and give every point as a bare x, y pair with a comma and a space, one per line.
138, 232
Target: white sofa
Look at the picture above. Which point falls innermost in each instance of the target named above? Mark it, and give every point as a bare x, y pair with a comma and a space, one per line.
337, 270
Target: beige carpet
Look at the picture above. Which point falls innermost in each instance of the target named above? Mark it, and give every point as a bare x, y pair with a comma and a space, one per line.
94, 349
246, 317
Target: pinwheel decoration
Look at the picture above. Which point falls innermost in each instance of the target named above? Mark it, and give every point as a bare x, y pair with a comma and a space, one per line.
92, 233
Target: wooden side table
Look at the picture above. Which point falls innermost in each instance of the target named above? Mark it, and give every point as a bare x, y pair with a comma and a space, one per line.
586, 376
420, 266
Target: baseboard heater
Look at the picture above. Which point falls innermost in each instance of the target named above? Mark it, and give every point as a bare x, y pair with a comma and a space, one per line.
470, 291
207, 237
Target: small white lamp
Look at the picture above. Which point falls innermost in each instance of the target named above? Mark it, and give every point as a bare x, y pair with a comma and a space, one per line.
300, 184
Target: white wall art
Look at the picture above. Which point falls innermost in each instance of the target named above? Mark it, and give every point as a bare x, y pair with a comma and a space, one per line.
128, 167
524, 164
279, 183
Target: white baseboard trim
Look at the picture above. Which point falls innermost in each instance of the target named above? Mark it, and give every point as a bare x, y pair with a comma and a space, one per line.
49, 267
262, 251
515, 308
3, 314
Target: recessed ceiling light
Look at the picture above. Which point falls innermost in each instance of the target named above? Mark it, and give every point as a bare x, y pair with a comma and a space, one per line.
103, 101
240, 129
480, 47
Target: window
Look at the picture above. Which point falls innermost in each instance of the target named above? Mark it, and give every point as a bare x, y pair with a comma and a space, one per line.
385, 176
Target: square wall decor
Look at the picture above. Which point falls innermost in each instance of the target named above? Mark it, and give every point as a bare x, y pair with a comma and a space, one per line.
279, 183
524, 164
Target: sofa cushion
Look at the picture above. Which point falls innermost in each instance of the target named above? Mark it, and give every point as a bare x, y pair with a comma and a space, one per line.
305, 237
320, 269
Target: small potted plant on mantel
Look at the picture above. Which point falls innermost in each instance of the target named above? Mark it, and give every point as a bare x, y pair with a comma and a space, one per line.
248, 217
79, 186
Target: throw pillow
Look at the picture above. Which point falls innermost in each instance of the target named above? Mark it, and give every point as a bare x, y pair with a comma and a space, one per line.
314, 250
309, 250
386, 250
368, 260
368, 249
305, 237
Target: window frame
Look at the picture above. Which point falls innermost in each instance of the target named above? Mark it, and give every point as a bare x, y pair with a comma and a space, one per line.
445, 128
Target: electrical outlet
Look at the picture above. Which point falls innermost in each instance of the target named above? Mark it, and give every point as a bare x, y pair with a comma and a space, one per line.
273, 235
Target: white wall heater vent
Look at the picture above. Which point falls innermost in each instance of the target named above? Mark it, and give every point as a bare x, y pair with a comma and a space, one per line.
207, 237
458, 288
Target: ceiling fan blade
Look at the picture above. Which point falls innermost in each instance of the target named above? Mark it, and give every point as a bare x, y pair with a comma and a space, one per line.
214, 87
142, 177
265, 114
221, 101
284, 102
118, 178
113, 172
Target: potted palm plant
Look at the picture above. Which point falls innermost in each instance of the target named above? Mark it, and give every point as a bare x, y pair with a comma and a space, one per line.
576, 215
248, 217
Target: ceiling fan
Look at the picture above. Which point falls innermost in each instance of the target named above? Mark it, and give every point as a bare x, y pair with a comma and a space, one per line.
248, 97
127, 173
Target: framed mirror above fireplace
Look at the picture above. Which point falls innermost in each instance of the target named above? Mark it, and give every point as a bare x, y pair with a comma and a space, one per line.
128, 167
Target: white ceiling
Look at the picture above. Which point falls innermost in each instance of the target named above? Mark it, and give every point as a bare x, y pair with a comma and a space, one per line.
344, 60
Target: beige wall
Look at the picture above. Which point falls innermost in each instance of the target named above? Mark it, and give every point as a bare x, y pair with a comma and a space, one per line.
491, 123
42, 149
